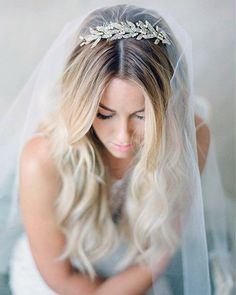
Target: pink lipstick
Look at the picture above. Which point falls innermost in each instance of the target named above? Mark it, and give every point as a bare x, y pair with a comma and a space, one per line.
123, 148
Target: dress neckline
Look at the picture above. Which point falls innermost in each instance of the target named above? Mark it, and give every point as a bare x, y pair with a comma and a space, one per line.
116, 182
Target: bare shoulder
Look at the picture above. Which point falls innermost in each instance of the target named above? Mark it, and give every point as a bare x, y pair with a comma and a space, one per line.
36, 156
203, 141
39, 181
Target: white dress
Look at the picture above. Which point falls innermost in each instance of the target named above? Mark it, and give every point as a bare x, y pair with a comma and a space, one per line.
25, 279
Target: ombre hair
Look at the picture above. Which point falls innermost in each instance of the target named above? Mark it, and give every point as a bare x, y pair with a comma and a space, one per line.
82, 206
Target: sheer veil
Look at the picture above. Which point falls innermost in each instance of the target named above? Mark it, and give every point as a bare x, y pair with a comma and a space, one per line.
202, 264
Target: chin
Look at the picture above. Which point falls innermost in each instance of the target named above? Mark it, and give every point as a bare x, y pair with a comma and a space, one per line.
120, 155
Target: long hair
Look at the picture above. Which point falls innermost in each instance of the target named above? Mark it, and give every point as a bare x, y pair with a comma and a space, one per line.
82, 206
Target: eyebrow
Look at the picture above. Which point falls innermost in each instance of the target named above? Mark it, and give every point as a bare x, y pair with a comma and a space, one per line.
108, 109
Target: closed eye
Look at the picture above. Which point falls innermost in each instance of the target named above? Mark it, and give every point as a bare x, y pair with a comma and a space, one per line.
103, 117
140, 117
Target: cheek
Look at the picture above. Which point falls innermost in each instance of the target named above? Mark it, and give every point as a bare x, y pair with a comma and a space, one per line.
139, 130
101, 128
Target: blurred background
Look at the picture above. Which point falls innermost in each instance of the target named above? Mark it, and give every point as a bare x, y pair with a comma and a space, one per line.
27, 28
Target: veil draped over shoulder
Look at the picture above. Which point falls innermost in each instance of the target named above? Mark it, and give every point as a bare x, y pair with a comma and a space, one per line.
202, 262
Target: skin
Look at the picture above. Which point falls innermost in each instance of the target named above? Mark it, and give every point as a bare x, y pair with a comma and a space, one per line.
123, 125
126, 122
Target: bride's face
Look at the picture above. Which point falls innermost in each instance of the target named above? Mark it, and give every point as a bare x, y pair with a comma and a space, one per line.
119, 123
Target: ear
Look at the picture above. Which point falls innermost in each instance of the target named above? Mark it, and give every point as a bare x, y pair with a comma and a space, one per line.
203, 141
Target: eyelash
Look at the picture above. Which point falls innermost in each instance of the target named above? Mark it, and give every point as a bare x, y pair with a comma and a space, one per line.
103, 117
140, 117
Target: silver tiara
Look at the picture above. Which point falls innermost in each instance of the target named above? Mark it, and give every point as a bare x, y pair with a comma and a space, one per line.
114, 31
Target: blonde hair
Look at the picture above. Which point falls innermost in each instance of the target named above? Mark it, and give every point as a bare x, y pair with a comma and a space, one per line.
82, 208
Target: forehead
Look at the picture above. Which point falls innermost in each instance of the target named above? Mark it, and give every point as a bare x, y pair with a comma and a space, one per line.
122, 93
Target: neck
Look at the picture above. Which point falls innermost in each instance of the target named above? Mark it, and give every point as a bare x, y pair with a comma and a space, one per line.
116, 167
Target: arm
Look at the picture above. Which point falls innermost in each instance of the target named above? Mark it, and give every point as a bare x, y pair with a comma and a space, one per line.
135, 280
39, 188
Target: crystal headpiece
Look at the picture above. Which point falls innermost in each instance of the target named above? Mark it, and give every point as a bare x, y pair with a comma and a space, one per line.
114, 31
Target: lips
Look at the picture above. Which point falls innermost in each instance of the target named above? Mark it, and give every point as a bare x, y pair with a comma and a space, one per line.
123, 147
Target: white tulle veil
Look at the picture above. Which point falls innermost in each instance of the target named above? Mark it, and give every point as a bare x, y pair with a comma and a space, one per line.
201, 266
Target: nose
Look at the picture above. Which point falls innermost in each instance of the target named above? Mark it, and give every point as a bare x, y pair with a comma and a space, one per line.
123, 132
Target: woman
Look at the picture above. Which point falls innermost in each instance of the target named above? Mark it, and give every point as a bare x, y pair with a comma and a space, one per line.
109, 171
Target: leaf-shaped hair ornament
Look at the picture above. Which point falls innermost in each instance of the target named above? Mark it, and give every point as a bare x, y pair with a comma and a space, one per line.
115, 31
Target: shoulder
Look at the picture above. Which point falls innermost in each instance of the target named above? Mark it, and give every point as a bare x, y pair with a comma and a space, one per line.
36, 150
36, 156
202, 129
37, 170
203, 140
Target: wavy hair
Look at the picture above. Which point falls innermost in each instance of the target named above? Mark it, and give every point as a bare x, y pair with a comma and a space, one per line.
153, 192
